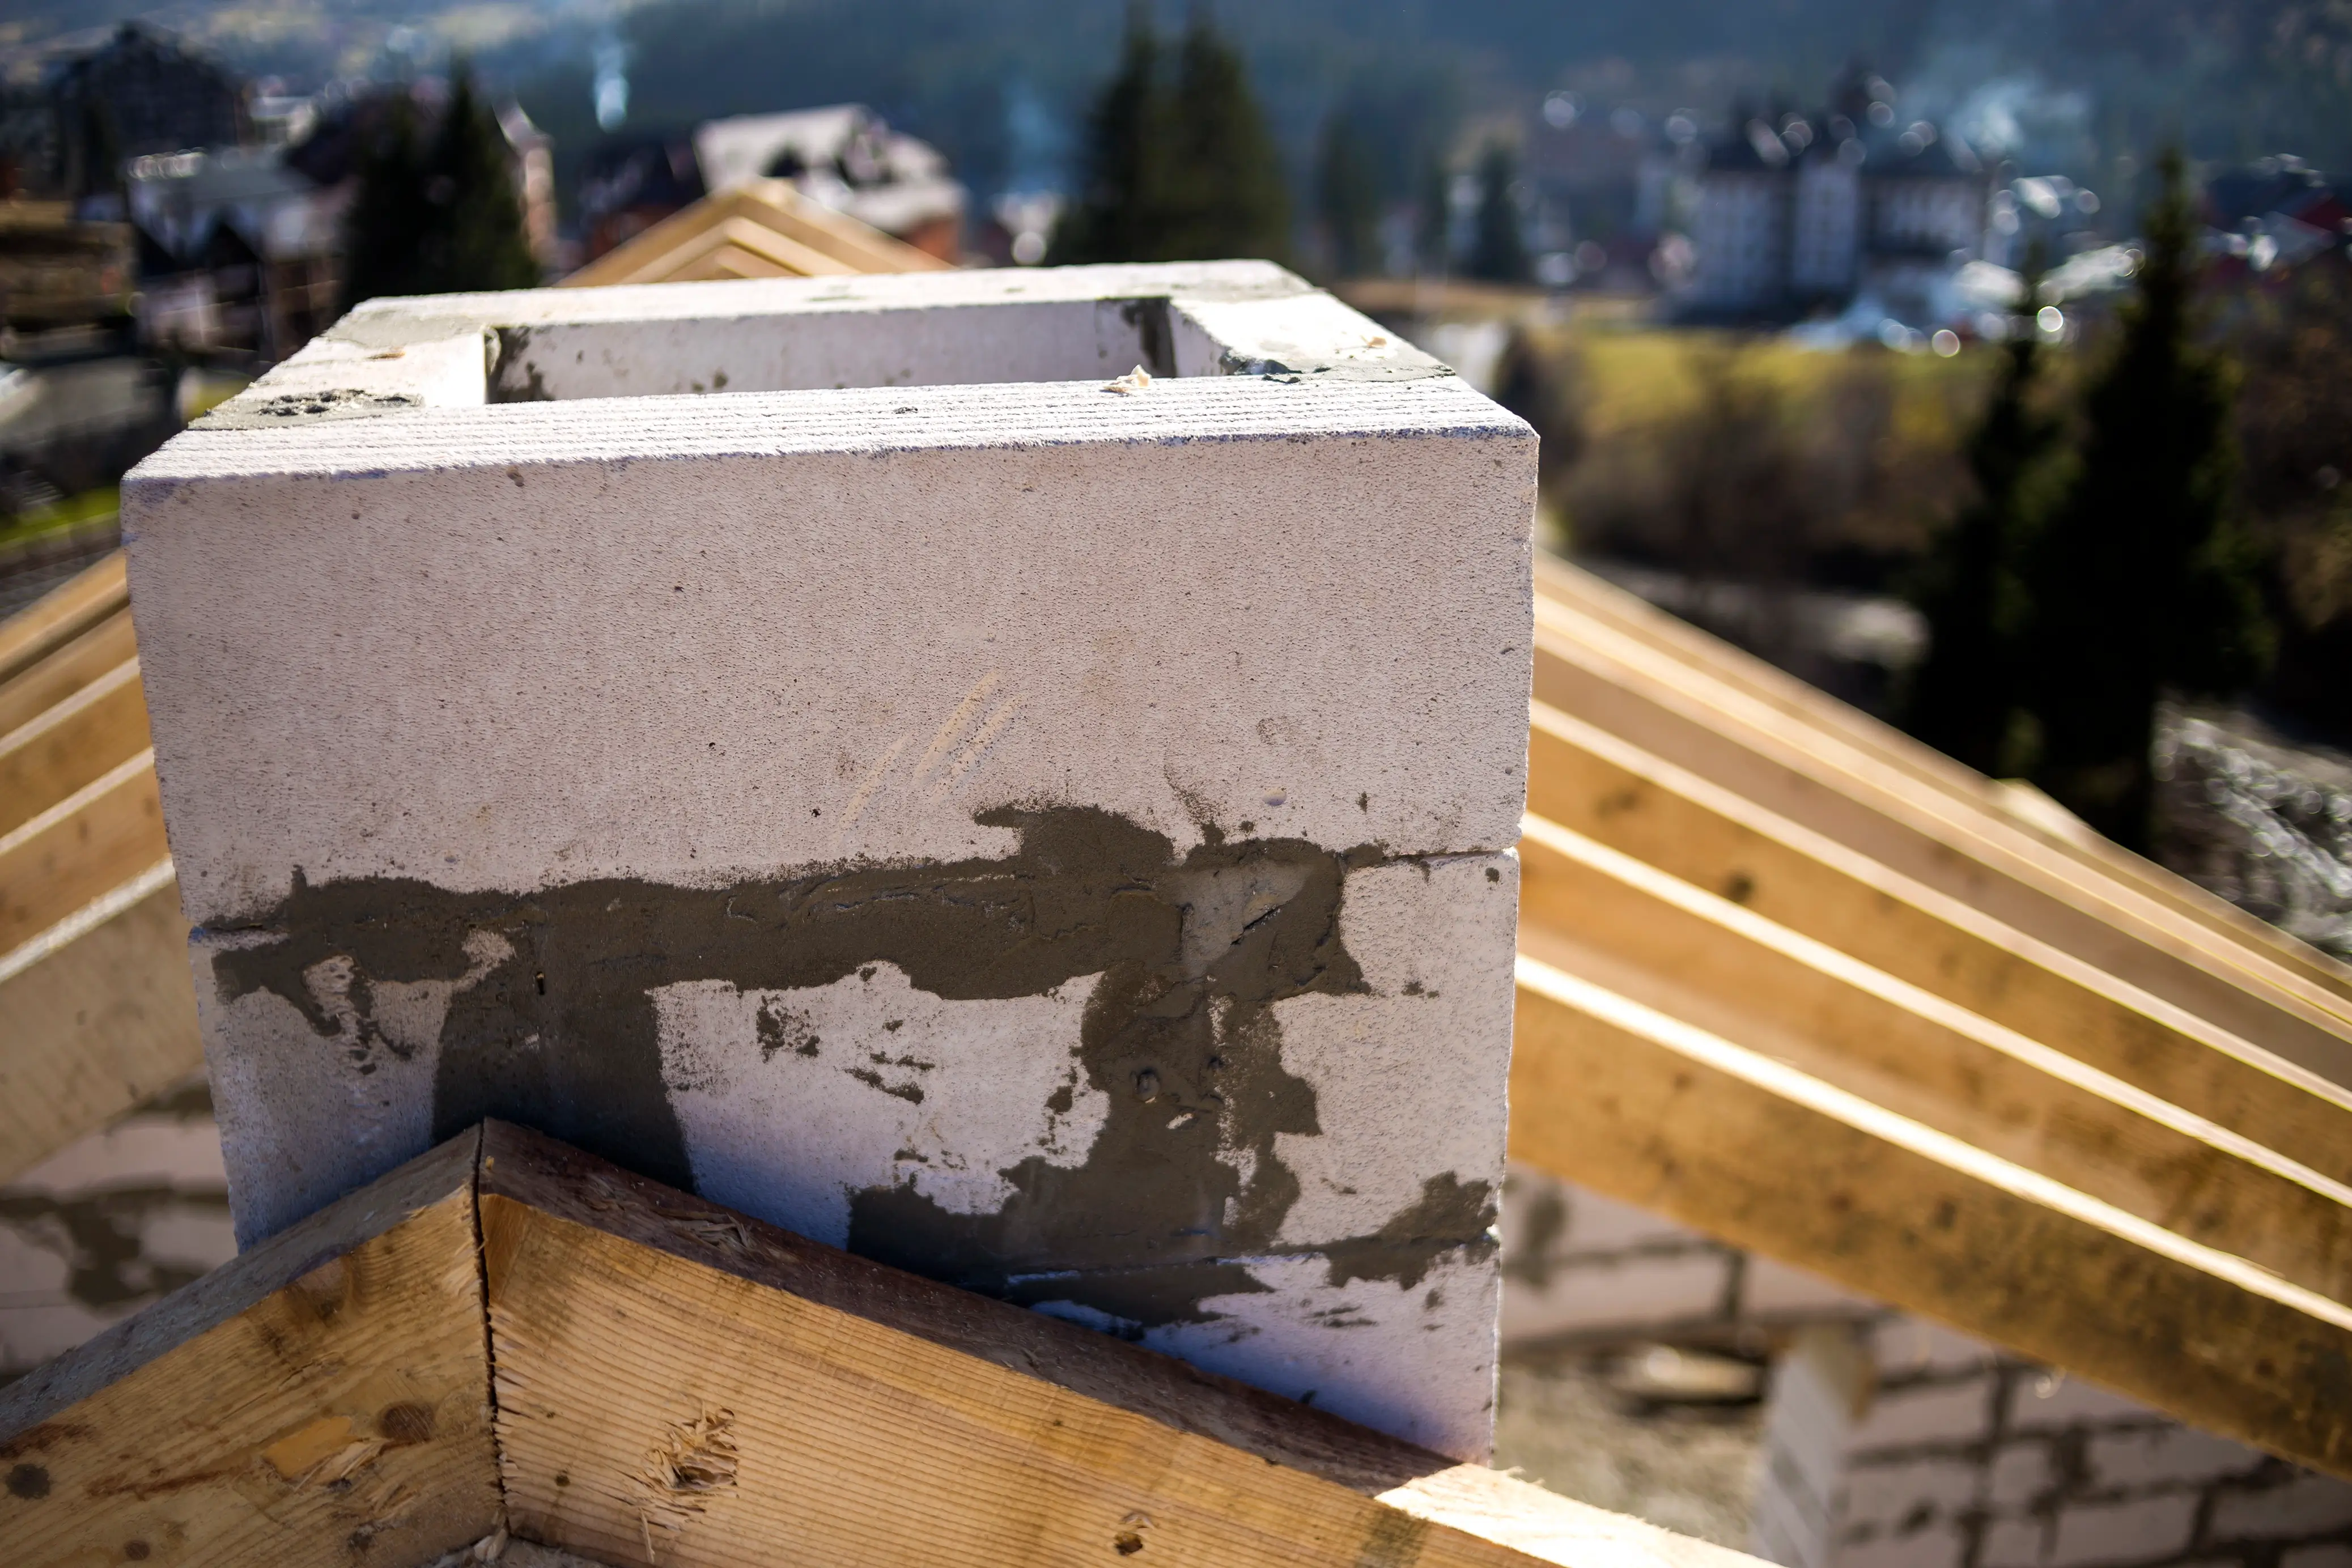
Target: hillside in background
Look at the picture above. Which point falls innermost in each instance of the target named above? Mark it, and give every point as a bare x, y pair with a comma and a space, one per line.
998, 85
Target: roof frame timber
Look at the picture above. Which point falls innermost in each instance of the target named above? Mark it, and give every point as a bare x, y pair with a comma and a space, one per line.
506, 1336
1657, 1112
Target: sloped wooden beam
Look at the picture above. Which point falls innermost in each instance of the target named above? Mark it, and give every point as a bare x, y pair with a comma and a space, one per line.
1611, 681
1656, 1111
797, 233
733, 246
66, 669
678, 1383
80, 849
99, 1016
324, 1398
1975, 795
1595, 784
62, 614
1615, 921
68, 744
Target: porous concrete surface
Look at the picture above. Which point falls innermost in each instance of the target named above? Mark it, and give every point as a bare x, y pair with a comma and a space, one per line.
1050, 834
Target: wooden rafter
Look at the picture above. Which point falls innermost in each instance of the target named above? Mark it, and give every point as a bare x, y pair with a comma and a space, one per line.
1969, 793
769, 229
1706, 960
1591, 782
506, 1333
1616, 683
1656, 1111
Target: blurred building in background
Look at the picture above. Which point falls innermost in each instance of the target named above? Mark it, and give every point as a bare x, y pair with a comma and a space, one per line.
1813, 211
240, 252
843, 156
136, 94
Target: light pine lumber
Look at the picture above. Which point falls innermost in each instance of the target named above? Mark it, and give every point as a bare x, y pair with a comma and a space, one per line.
1569, 585
1593, 783
65, 747
1653, 1111
62, 672
1607, 679
1647, 936
682, 1384
88, 843
711, 252
322, 1398
63, 613
830, 243
100, 1017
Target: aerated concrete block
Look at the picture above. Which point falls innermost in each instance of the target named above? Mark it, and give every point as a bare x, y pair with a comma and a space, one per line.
931, 789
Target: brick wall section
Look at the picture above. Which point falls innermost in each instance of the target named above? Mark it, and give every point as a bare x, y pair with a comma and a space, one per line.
109, 1224
1895, 1443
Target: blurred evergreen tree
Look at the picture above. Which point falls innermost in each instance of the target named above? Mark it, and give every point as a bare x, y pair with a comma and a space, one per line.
2143, 581
1434, 210
1348, 198
1181, 170
1498, 252
1962, 697
1119, 215
1228, 195
435, 211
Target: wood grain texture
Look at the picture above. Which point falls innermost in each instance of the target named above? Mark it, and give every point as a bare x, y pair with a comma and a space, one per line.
87, 844
772, 221
1593, 783
66, 746
1655, 1112
64, 670
1610, 680
680, 1384
321, 1399
100, 1016
1645, 935
1975, 795
63, 613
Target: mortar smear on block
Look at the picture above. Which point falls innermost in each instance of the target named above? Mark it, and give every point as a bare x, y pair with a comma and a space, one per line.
1051, 840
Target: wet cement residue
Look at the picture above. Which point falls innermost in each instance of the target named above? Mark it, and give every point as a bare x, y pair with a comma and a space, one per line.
1404, 1248
554, 1026
102, 1238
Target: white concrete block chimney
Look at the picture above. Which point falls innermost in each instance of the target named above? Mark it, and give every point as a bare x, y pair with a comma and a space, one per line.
1041, 826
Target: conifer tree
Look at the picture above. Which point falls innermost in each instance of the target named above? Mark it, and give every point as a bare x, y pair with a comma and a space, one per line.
1964, 693
1178, 171
1227, 189
1499, 252
1348, 198
435, 211
1117, 216
1433, 222
2143, 581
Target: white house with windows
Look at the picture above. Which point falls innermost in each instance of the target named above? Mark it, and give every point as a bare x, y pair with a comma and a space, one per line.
1792, 219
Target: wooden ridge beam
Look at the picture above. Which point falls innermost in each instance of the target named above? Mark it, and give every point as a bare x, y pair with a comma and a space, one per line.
1657, 1112
1608, 680
1589, 781
693, 256
1614, 921
100, 1016
506, 1336
768, 218
323, 1399
69, 745
1976, 796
